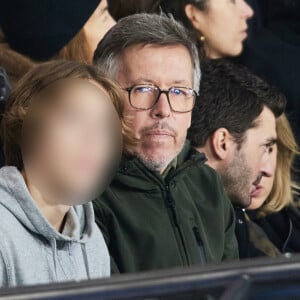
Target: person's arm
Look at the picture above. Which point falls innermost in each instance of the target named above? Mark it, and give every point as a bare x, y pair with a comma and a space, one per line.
231, 246
113, 266
231, 250
3, 271
102, 222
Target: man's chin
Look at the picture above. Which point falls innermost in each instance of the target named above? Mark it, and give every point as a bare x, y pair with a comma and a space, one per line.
248, 203
241, 202
156, 161
161, 142
156, 155
157, 151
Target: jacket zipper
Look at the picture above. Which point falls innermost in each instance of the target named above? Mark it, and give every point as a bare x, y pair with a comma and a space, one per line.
200, 245
172, 205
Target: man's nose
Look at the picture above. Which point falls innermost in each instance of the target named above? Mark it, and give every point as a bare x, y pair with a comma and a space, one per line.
267, 166
247, 11
162, 108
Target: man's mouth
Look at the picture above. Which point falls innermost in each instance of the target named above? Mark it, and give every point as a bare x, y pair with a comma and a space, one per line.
245, 33
158, 132
256, 190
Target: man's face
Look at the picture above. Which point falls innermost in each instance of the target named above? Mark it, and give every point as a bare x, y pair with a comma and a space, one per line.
251, 162
75, 140
161, 132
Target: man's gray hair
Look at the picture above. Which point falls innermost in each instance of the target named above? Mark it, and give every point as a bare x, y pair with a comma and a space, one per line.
144, 29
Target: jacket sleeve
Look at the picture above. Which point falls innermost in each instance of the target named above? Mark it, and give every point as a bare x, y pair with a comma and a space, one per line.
231, 251
101, 217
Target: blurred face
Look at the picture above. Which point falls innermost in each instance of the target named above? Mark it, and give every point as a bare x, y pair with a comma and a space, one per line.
161, 132
97, 25
72, 141
223, 24
252, 163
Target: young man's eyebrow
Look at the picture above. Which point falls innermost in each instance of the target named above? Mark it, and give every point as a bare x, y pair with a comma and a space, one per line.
271, 141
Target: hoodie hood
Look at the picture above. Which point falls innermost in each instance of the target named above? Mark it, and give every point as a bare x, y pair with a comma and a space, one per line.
79, 220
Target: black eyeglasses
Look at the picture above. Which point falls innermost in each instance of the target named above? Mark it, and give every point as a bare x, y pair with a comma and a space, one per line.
145, 96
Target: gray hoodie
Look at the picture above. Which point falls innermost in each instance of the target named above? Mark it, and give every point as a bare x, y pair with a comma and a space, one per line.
33, 252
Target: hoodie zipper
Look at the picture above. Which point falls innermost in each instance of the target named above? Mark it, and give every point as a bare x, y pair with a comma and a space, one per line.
172, 206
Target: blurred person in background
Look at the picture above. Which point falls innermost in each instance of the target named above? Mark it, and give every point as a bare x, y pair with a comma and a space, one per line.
248, 140
219, 26
41, 30
272, 51
62, 139
165, 207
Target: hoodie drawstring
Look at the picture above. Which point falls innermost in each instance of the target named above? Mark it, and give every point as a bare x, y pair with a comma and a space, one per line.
54, 256
86, 261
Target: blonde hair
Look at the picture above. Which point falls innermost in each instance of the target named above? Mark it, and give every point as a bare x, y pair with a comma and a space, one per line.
77, 49
37, 80
283, 190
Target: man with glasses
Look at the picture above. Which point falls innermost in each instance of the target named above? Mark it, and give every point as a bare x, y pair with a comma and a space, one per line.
165, 207
145, 97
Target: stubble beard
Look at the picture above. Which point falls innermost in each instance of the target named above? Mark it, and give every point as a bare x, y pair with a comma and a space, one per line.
157, 163
236, 178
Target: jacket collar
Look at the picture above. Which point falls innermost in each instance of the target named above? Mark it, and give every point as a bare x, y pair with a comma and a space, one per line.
134, 170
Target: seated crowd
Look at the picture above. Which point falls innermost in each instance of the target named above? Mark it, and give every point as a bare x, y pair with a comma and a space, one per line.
138, 145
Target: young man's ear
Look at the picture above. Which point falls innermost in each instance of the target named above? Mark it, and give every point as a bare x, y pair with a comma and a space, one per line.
222, 143
194, 15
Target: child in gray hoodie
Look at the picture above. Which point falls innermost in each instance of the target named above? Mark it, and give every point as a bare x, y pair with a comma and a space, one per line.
62, 140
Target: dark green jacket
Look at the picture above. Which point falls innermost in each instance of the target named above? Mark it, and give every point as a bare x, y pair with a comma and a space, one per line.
150, 223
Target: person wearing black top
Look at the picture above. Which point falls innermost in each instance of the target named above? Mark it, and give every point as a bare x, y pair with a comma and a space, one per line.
272, 51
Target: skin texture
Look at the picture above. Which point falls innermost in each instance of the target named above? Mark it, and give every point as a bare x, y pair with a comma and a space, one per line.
243, 168
266, 184
97, 25
160, 131
69, 146
223, 24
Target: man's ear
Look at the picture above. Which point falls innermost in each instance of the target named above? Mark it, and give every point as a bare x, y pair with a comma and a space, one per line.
194, 15
222, 143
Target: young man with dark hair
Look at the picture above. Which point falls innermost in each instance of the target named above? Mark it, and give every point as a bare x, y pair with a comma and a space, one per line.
234, 124
62, 137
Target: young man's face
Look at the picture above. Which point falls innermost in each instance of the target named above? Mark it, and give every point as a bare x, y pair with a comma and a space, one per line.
161, 132
254, 160
75, 141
